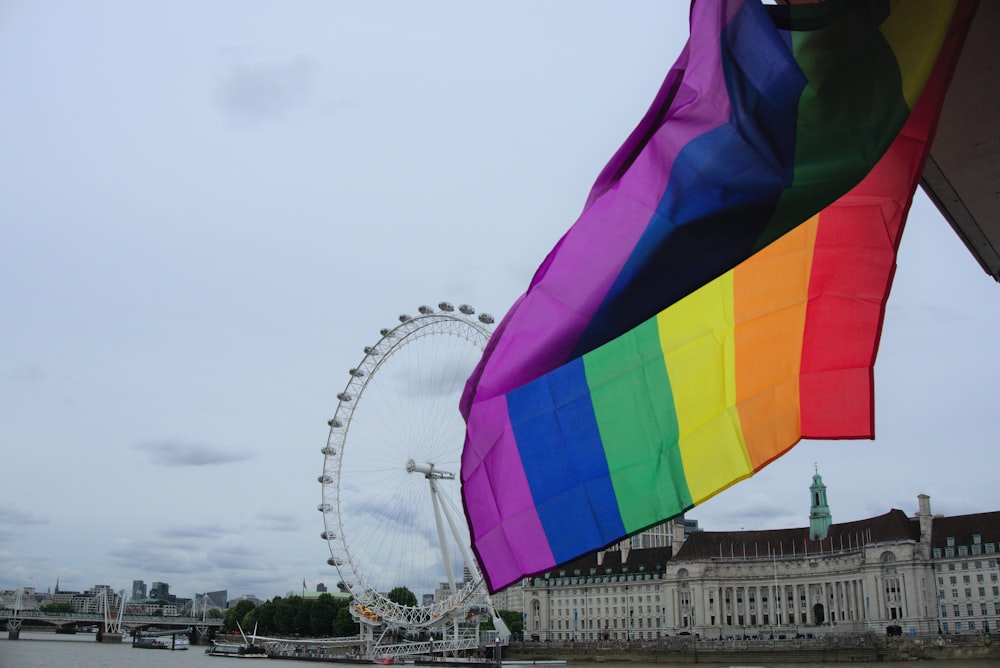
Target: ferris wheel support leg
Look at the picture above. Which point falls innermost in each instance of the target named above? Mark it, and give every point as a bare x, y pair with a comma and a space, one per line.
440, 531
458, 538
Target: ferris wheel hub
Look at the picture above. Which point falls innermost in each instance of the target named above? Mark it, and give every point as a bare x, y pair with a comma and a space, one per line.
428, 471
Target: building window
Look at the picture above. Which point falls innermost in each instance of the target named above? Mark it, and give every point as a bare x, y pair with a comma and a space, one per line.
950, 541
963, 551
937, 552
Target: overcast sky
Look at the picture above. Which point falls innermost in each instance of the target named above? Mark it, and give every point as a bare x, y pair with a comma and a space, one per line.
208, 209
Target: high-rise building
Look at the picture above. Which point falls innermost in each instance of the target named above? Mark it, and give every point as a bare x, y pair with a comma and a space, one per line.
138, 590
160, 591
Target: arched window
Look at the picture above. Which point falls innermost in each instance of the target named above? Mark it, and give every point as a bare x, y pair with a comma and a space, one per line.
888, 560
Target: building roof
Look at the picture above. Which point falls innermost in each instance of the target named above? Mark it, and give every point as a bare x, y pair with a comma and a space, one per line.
963, 527
893, 525
646, 560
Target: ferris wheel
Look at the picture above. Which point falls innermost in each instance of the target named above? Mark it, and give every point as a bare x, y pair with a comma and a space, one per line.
391, 500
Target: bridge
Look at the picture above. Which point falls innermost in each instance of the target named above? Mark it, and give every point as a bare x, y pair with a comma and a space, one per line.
112, 622
129, 623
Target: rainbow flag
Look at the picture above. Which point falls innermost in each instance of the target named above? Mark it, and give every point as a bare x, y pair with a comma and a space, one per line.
641, 373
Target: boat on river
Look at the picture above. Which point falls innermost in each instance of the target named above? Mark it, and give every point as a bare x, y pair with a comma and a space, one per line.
173, 642
149, 643
236, 650
248, 649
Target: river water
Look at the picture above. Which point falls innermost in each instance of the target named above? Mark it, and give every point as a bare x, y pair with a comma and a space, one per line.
48, 650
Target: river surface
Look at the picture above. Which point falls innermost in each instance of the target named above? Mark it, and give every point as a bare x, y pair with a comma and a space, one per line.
48, 650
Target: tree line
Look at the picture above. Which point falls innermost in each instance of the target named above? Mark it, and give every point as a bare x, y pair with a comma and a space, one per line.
320, 617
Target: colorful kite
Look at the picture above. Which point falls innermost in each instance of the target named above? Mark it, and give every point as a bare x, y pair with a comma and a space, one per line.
641, 373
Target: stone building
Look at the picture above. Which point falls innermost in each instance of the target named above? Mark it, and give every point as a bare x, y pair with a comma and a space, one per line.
925, 574
965, 552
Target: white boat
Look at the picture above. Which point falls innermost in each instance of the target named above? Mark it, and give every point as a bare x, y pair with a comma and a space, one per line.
175, 642
149, 643
248, 649
237, 650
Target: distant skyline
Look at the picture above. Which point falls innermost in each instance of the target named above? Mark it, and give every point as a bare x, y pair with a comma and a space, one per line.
209, 209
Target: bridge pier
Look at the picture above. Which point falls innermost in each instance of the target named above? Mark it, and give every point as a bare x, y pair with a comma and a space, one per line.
13, 629
103, 635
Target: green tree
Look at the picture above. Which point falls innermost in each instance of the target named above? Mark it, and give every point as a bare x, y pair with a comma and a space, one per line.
344, 624
301, 620
513, 620
321, 616
236, 614
402, 596
264, 618
284, 615
56, 607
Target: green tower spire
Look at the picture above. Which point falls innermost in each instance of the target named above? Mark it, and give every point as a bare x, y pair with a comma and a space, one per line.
819, 512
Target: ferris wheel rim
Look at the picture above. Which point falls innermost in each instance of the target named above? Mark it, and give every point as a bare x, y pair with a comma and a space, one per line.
369, 602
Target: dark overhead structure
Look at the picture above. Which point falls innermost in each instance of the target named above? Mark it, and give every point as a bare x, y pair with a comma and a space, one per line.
962, 176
